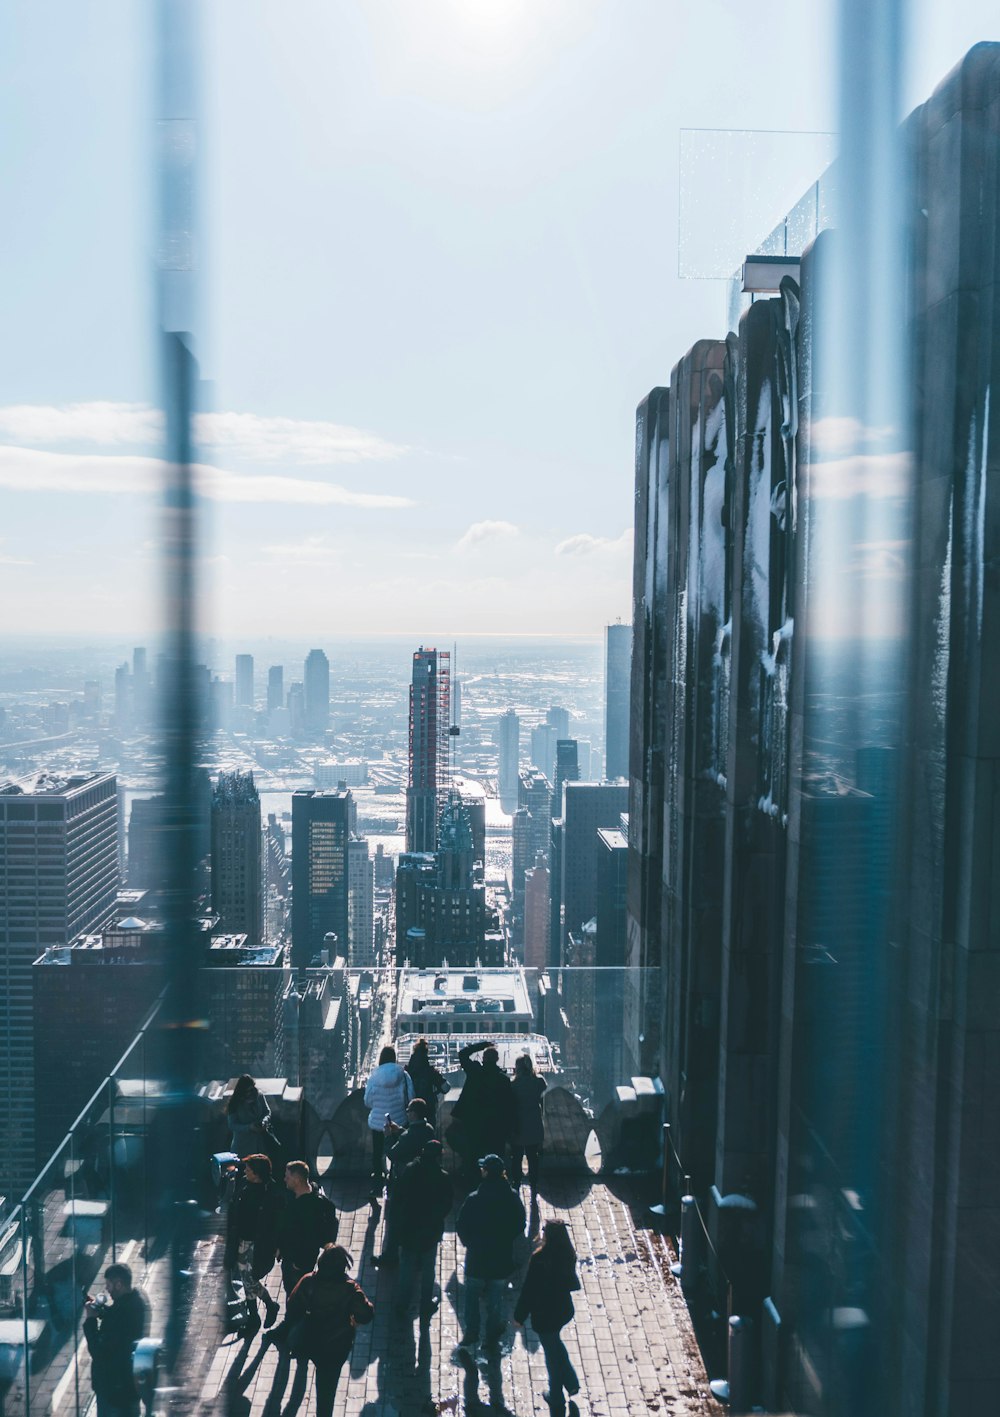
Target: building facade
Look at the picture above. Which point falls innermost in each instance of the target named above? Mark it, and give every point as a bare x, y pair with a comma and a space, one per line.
322, 823
617, 692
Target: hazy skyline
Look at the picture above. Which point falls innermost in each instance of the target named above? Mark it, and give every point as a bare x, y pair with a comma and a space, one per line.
439, 270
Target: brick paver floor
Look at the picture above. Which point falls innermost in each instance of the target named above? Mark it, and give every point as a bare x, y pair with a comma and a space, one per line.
632, 1342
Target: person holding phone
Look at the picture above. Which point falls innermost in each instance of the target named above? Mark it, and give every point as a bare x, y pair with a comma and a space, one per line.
112, 1326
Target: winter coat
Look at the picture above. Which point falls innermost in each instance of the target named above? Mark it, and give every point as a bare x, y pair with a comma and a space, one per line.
305, 1225
428, 1083
422, 1200
249, 1123
545, 1294
111, 1340
255, 1214
322, 1315
409, 1144
529, 1129
485, 1106
389, 1089
490, 1221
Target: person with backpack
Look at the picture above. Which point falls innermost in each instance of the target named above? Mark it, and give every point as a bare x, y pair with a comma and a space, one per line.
389, 1091
421, 1201
428, 1083
324, 1309
307, 1223
489, 1223
252, 1236
547, 1300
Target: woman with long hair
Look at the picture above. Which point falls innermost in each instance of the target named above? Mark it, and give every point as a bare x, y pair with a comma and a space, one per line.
529, 1128
546, 1299
324, 1309
249, 1118
428, 1083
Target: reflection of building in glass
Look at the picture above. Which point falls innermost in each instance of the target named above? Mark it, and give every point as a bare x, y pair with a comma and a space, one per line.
322, 823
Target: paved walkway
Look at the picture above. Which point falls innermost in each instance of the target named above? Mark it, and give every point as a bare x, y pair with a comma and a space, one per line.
632, 1342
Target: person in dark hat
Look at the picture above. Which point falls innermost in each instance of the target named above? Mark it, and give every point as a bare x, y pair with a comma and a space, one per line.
489, 1223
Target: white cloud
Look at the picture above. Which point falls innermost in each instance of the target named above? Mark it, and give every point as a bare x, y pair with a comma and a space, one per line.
480, 532
583, 544
312, 550
31, 470
308, 442
871, 476
839, 436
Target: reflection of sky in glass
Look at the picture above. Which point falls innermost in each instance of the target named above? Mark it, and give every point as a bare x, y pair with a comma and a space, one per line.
736, 186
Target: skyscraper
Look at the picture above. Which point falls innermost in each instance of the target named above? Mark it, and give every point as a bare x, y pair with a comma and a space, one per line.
322, 823
275, 688
617, 693
536, 915
587, 806
567, 769
236, 856
430, 706
360, 905
244, 680
58, 877
316, 680
509, 743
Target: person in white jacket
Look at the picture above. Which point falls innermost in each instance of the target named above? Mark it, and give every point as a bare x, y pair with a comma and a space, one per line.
389, 1090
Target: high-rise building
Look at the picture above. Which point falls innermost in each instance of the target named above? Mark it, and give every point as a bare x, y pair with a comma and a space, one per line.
567, 769
360, 905
617, 693
430, 710
237, 896
123, 699
322, 823
316, 681
145, 843
275, 688
509, 743
244, 680
220, 717
441, 911
296, 710
587, 806
142, 690
536, 915
58, 877
558, 720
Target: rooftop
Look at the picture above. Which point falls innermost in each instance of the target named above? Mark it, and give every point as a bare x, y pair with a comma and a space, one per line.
474, 988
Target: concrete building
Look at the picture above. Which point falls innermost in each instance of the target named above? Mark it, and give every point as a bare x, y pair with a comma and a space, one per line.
237, 850
617, 693
275, 688
58, 877
322, 823
430, 713
244, 681
360, 905
509, 744
316, 682
536, 915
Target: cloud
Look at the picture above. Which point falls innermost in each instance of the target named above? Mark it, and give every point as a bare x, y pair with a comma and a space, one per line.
31, 470
249, 436
480, 532
870, 476
583, 544
312, 550
839, 436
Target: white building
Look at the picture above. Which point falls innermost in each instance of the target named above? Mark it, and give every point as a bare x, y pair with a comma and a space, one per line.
360, 904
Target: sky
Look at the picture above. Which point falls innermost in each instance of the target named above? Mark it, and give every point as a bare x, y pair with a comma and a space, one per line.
437, 253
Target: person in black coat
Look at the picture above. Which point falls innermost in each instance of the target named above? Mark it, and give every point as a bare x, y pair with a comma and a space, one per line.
490, 1221
324, 1309
547, 1299
428, 1083
422, 1199
529, 1127
307, 1223
252, 1235
112, 1329
402, 1145
484, 1112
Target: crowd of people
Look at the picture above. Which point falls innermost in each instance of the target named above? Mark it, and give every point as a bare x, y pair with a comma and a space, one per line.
496, 1124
